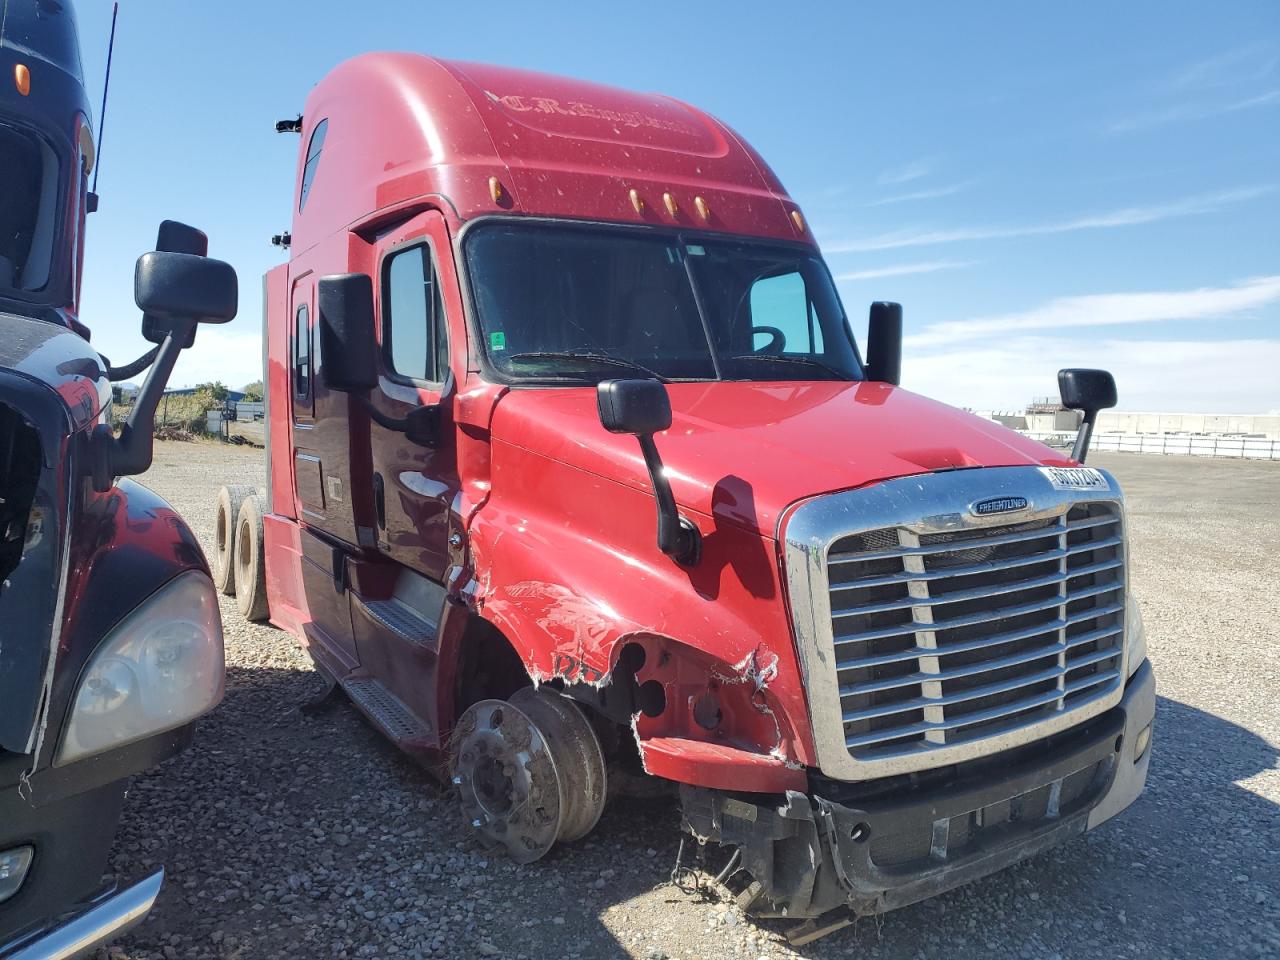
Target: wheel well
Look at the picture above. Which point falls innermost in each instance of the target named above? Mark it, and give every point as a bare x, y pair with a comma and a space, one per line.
489, 668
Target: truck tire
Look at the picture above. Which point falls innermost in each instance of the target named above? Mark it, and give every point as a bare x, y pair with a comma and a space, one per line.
224, 533
249, 562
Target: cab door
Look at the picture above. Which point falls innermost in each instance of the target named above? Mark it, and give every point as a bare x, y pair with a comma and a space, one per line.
414, 486
321, 470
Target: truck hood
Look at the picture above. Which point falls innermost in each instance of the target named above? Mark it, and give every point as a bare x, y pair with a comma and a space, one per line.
744, 452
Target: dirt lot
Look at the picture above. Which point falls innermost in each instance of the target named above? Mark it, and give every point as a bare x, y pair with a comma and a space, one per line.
287, 835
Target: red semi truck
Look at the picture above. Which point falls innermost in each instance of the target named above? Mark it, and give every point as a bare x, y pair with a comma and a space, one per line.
880, 646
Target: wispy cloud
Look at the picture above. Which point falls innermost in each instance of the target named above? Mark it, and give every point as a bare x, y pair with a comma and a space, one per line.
1187, 112
930, 194
905, 174
1253, 61
1109, 309
1126, 216
903, 269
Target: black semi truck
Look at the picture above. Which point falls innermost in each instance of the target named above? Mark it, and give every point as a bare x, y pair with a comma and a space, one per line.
110, 636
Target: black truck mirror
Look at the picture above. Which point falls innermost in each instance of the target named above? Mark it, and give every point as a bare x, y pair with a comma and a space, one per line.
183, 287
884, 342
174, 237
348, 345
639, 407
1088, 391
643, 408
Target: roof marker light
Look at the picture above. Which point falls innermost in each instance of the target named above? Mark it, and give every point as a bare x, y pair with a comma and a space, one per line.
798, 219
495, 189
637, 201
670, 201
22, 78
703, 210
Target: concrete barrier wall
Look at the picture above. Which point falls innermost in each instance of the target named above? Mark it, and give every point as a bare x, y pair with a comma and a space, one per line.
1246, 448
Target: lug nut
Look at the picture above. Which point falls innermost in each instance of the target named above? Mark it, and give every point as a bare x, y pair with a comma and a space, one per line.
457, 780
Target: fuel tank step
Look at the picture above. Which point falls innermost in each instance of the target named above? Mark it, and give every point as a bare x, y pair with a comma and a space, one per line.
387, 713
402, 620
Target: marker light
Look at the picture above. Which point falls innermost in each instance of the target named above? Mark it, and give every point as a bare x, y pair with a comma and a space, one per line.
22, 78
1141, 743
701, 206
13, 870
159, 668
495, 189
670, 201
1135, 635
636, 200
798, 219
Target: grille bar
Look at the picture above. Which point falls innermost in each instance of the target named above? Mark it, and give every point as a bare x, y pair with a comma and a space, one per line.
984, 716
1001, 613
1053, 626
999, 663
836, 559
978, 593
994, 567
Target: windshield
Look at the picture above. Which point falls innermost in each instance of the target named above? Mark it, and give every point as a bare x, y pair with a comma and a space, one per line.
562, 302
28, 196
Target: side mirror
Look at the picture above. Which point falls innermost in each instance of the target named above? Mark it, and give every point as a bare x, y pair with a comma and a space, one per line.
643, 408
184, 287
1088, 391
176, 290
637, 407
174, 237
348, 344
884, 342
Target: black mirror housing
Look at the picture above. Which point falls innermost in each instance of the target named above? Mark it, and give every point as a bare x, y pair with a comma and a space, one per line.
638, 407
184, 287
884, 342
348, 344
1087, 390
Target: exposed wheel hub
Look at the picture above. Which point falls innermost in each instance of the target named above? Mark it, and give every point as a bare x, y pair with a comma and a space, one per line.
529, 772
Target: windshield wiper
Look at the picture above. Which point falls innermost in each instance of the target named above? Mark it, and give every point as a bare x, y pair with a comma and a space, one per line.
591, 358
811, 361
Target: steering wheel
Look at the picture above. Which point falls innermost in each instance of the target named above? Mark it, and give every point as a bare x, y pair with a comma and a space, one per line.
775, 346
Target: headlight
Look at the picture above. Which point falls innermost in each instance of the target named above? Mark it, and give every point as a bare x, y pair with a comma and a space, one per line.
162, 666
1135, 635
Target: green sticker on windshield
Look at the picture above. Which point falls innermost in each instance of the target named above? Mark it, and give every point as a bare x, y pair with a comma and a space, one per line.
498, 341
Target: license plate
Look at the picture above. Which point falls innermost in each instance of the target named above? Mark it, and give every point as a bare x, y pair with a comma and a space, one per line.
1076, 478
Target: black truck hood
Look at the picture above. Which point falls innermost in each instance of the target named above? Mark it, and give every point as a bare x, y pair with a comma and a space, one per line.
52, 389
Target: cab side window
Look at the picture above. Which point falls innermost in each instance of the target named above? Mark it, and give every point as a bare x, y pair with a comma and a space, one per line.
302, 355
782, 302
414, 335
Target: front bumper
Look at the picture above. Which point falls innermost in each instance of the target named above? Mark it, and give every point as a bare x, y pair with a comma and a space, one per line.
867, 849
99, 922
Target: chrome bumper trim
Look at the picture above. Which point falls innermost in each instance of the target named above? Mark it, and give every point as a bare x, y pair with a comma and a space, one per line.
86, 931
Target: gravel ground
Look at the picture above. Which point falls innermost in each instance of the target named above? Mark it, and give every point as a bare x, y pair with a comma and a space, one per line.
291, 835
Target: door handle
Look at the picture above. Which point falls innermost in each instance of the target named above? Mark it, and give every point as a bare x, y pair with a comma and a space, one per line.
380, 501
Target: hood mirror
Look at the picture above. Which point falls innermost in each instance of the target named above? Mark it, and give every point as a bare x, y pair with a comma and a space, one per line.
884, 342
643, 408
1088, 391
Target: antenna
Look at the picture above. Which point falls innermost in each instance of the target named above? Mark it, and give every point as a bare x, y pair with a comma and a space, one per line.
106, 82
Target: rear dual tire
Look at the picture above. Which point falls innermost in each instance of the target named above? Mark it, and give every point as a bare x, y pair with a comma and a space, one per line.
249, 562
225, 524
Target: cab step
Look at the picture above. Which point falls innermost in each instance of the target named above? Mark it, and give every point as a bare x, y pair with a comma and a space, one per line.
402, 620
388, 714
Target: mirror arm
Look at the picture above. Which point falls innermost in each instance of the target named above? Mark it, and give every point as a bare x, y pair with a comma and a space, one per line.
131, 452
1081, 447
678, 538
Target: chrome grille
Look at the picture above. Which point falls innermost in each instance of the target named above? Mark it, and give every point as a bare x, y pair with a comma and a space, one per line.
943, 634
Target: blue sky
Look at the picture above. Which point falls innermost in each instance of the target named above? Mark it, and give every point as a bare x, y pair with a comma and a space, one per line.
1039, 185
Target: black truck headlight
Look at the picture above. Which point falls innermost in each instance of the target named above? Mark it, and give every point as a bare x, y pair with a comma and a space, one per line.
1135, 635
13, 870
159, 668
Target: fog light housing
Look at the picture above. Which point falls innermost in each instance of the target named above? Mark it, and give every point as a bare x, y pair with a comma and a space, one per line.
13, 870
1141, 743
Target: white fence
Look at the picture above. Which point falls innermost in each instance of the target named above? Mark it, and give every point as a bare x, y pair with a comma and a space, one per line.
1240, 448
